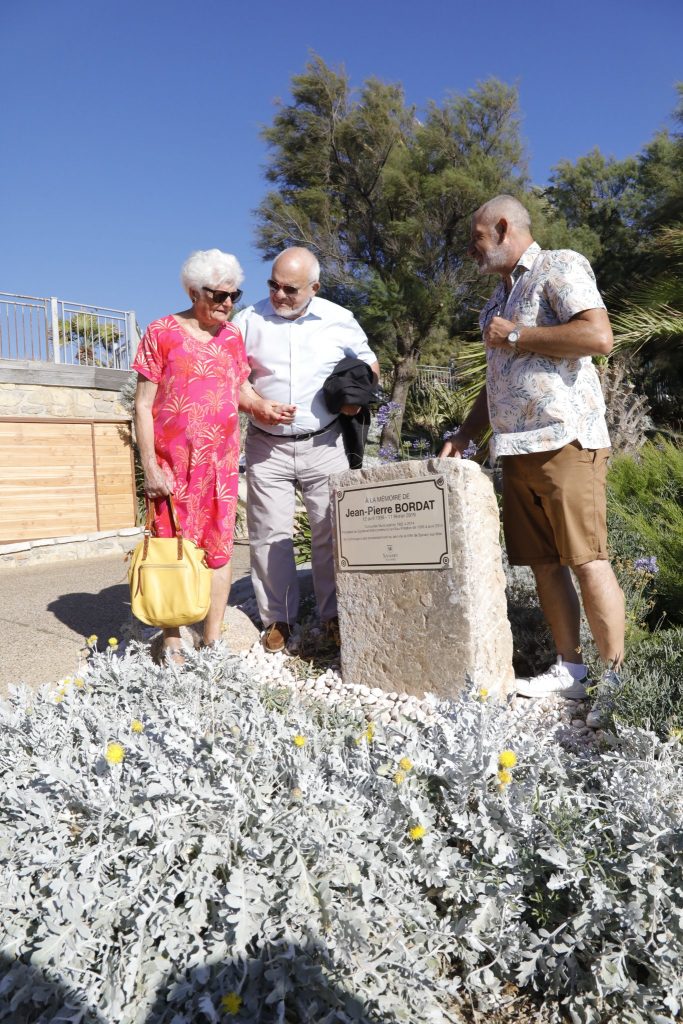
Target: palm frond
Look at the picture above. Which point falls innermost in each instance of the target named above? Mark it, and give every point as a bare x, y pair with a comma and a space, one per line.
637, 326
471, 370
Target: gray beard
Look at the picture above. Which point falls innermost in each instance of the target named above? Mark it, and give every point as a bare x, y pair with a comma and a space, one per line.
494, 264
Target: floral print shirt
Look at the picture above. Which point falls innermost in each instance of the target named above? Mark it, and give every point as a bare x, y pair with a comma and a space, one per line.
541, 403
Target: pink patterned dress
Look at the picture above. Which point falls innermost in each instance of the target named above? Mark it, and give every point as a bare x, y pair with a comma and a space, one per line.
196, 429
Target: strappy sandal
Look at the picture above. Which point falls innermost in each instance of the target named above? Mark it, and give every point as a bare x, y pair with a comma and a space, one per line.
173, 655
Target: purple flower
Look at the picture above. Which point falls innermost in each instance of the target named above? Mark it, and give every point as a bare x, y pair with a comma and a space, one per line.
387, 412
647, 565
388, 453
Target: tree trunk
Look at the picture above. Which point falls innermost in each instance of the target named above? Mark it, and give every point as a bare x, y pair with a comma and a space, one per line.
405, 373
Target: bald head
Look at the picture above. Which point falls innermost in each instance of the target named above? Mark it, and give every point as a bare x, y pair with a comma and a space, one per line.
294, 282
297, 258
501, 232
506, 207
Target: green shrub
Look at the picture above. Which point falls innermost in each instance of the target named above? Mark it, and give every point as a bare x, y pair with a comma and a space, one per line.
430, 410
645, 519
652, 676
302, 537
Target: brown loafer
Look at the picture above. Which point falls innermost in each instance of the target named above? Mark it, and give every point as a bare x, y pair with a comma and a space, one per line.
276, 636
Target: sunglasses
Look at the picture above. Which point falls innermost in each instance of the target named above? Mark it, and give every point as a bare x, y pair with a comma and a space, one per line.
288, 289
218, 296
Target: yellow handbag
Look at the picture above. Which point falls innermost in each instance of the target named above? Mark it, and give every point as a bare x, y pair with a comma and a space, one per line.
170, 582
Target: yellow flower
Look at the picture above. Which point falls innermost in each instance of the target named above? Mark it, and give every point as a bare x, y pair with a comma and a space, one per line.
399, 777
91, 640
79, 683
295, 793
231, 1003
417, 832
677, 734
115, 753
369, 733
137, 726
299, 740
59, 698
405, 764
112, 641
483, 693
507, 759
504, 777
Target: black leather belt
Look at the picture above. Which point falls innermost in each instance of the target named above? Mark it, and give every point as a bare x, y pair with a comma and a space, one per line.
295, 437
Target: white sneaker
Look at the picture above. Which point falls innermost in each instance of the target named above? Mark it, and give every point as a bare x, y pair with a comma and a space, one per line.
557, 679
609, 684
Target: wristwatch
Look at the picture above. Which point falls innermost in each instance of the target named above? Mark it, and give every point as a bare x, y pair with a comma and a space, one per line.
513, 337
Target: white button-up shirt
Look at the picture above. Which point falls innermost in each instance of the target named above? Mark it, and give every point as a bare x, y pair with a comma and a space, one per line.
540, 403
291, 359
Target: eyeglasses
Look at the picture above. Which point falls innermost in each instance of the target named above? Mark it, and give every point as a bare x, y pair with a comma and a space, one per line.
288, 289
218, 296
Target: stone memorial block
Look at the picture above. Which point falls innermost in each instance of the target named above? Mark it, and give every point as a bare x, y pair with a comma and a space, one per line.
420, 581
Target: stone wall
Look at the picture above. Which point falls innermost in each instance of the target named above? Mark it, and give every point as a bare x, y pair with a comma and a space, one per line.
60, 402
59, 549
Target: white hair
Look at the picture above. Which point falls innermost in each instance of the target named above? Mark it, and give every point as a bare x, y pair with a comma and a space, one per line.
302, 255
209, 267
505, 206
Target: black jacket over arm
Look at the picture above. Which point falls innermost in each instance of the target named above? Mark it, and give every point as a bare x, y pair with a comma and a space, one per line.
352, 382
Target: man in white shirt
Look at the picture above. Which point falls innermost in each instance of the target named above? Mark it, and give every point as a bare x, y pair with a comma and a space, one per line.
294, 340
541, 327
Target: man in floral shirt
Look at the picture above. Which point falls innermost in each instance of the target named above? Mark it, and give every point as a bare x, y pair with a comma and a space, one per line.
542, 398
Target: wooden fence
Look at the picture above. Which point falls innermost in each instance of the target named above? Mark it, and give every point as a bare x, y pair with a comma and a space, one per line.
64, 476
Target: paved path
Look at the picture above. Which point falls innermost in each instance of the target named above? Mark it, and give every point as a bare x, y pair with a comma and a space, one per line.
46, 611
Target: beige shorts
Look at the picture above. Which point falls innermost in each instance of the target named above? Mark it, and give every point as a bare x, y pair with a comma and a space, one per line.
554, 506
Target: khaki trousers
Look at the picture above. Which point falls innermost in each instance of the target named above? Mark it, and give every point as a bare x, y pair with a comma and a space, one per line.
275, 468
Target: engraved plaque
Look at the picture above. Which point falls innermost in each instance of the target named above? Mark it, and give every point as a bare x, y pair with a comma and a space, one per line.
401, 524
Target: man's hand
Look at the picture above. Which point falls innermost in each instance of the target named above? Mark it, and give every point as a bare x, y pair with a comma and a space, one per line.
158, 483
350, 410
267, 411
454, 446
496, 333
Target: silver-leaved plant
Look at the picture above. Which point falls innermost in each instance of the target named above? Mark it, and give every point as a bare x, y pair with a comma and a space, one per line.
193, 846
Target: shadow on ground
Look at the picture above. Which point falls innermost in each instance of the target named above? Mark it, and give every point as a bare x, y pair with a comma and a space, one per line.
285, 985
102, 613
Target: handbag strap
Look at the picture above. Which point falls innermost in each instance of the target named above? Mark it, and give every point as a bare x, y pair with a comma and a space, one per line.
149, 525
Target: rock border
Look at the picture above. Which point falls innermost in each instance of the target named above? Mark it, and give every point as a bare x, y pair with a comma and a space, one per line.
59, 549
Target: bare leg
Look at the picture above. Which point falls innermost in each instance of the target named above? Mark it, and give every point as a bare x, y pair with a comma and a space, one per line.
172, 645
560, 606
603, 602
220, 589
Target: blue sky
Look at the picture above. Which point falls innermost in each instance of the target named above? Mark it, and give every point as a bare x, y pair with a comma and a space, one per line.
130, 129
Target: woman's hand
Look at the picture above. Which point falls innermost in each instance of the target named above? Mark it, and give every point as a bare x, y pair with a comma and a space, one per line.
157, 483
267, 411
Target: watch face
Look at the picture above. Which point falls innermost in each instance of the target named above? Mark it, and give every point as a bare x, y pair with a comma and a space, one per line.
513, 337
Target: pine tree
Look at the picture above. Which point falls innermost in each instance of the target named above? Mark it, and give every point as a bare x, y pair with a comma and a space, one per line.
384, 198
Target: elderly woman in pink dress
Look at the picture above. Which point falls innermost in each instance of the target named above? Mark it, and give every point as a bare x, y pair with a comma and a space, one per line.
192, 380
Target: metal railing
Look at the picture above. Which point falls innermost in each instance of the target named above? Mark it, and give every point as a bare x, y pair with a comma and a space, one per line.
427, 375
52, 330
